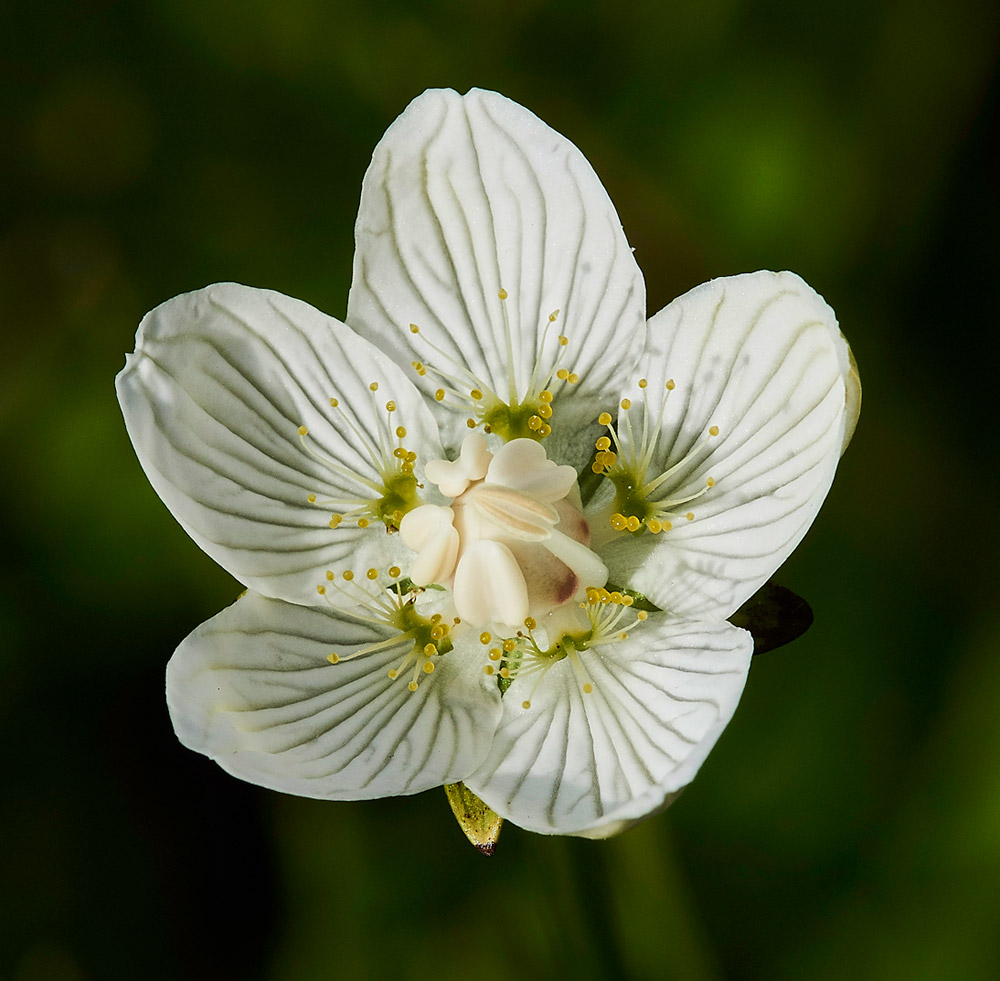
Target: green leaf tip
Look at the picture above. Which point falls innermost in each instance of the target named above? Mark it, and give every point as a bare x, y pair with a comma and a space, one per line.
480, 824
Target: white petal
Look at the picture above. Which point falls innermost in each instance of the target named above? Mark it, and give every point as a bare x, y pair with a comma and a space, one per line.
578, 762
470, 194
523, 465
489, 586
252, 689
213, 396
761, 357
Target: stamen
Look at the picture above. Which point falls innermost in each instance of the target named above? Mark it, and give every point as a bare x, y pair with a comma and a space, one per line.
393, 608
518, 414
389, 497
643, 503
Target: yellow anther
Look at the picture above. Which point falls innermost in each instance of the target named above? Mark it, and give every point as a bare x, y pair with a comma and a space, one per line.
485, 637
545, 410
654, 526
509, 644
363, 522
394, 571
391, 672
619, 522
616, 598
428, 667
430, 650
626, 404
372, 574
390, 406
397, 516
475, 394
667, 525
641, 615
321, 590
303, 431
562, 374
534, 423
373, 387
333, 658
592, 594
505, 672
334, 403
495, 654
526, 704
502, 294
627, 600
609, 458
471, 423
406, 468
710, 482
438, 631
348, 575
530, 623
603, 443
643, 383
588, 688
412, 686
436, 618
311, 498
545, 430
670, 386
330, 576
713, 430
488, 669
572, 378
439, 395
604, 419
335, 520
545, 395
410, 456
399, 453
563, 340
552, 316
690, 515
414, 329
597, 467
632, 522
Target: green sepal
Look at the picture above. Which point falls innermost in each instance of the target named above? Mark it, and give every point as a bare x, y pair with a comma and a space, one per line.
480, 824
775, 616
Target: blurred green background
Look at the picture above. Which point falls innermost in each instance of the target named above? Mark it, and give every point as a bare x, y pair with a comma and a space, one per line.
847, 825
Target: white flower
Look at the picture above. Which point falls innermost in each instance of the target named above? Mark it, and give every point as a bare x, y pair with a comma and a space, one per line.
585, 496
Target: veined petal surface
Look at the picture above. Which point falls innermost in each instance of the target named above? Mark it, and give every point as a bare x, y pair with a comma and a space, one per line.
213, 396
252, 688
577, 763
469, 194
759, 356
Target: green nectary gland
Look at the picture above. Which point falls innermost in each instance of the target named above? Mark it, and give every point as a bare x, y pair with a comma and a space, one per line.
400, 495
629, 499
418, 627
511, 421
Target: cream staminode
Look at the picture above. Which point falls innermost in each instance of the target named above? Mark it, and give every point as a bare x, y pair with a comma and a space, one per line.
513, 542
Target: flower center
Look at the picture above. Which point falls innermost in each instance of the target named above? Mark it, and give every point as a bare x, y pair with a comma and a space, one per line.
513, 543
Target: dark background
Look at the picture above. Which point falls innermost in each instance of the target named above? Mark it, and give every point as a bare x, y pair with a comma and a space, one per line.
847, 825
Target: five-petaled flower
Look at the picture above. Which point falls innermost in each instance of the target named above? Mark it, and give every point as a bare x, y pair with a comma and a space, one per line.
492, 526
